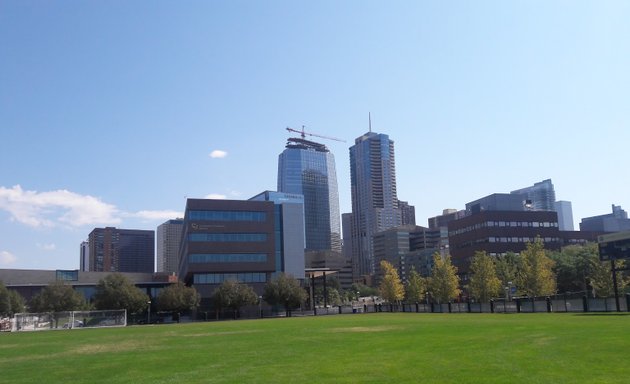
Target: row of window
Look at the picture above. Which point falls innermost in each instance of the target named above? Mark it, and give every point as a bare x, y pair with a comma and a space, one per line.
228, 237
227, 215
522, 239
227, 258
218, 278
506, 224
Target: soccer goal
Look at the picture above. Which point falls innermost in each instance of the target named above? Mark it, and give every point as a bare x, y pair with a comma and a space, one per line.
69, 320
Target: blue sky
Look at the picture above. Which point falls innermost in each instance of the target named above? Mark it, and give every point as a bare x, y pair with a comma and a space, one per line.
109, 111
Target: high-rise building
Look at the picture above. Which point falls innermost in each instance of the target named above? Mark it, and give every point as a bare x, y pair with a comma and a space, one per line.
374, 197
121, 250
308, 168
539, 197
407, 213
565, 215
169, 236
84, 258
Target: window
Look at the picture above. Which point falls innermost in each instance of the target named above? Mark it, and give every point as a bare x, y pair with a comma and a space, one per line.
228, 237
218, 278
227, 215
62, 275
227, 258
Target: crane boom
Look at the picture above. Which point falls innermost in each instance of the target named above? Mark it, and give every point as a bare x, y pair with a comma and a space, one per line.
303, 134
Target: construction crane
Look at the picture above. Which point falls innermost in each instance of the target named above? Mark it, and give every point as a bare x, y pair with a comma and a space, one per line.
303, 134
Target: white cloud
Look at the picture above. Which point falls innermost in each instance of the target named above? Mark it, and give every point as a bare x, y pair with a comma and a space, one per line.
218, 154
47, 247
52, 208
7, 258
158, 215
216, 196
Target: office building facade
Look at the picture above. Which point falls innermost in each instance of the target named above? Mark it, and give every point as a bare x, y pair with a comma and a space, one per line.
84, 256
121, 250
307, 168
374, 197
288, 231
169, 236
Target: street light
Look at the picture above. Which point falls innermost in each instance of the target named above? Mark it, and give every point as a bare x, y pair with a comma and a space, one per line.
260, 306
149, 312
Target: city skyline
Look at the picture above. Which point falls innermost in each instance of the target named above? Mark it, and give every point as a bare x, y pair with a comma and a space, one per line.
116, 126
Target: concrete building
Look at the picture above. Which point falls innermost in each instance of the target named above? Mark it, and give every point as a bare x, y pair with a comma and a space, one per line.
121, 250
84, 256
169, 235
407, 247
374, 197
616, 221
407, 213
307, 168
565, 215
29, 282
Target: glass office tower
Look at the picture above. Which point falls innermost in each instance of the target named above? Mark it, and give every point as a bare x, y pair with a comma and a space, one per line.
308, 168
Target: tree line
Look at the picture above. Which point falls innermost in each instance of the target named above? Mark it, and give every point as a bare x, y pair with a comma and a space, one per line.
534, 272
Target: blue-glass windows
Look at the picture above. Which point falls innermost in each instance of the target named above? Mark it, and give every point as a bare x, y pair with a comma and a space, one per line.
228, 237
227, 258
227, 215
218, 278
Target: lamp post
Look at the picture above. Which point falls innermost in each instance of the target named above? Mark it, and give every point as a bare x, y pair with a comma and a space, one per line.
149, 312
260, 306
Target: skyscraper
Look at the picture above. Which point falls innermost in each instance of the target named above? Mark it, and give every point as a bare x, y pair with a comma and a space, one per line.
121, 250
308, 168
169, 236
374, 198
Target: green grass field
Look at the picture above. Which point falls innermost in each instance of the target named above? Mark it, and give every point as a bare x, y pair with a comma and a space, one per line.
360, 348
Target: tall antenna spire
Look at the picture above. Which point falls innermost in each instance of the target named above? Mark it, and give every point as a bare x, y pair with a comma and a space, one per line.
370, 120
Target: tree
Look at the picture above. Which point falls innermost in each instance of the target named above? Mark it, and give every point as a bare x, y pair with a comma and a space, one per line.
333, 297
116, 291
364, 290
17, 303
234, 295
391, 288
416, 287
58, 297
178, 298
507, 267
484, 283
5, 301
574, 266
601, 278
284, 290
444, 282
536, 277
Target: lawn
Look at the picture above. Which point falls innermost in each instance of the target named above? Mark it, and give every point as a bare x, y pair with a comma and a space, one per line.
358, 348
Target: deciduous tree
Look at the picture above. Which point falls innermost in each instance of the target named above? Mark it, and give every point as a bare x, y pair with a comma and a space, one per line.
444, 282
234, 295
116, 291
391, 288
416, 287
58, 297
601, 278
284, 290
536, 277
484, 283
178, 298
